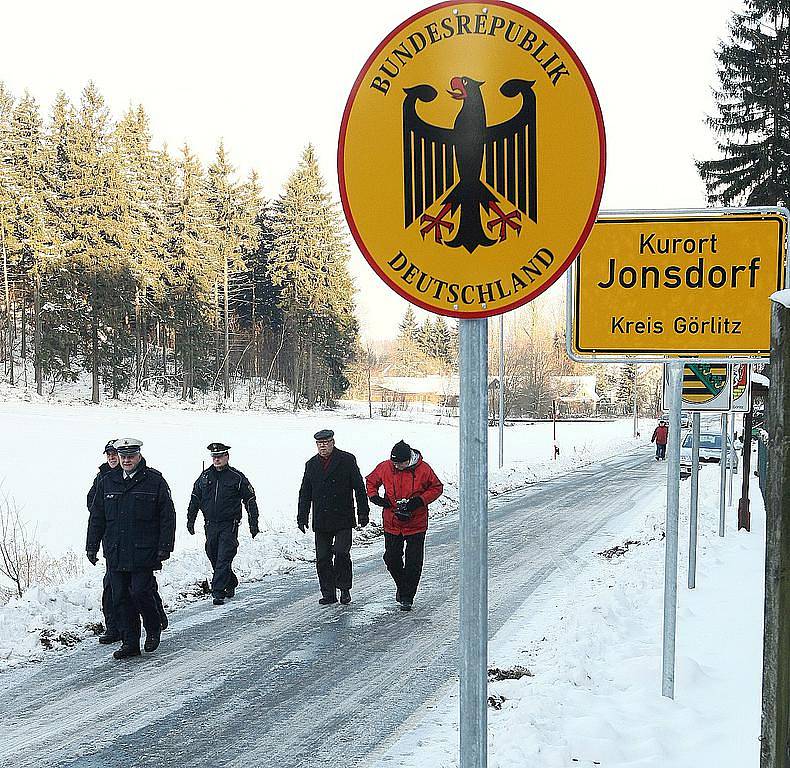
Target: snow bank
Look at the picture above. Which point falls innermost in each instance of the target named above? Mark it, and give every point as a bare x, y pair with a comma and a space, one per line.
782, 297
592, 648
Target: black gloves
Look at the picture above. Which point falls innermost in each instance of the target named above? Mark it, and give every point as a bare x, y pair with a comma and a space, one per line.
191, 528
363, 520
254, 531
163, 555
403, 509
380, 502
92, 557
302, 527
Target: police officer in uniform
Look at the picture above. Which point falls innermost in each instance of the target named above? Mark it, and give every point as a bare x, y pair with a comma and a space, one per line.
331, 481
219, 493
112, 633
133, 518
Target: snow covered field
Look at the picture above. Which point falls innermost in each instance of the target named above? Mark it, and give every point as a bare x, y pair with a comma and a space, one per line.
49, 461
592, 645
590, 637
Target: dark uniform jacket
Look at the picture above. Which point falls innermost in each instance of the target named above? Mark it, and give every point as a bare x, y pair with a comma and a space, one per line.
134, 520
331, 493
103, 470
219, 495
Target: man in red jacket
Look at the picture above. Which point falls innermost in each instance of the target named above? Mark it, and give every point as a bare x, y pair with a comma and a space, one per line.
660, 438
410, 485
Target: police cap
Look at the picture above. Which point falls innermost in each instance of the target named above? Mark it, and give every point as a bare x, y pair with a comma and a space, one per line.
218, 449
324, 434
128, 446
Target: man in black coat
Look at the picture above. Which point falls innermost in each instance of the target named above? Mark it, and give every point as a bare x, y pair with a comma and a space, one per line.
219, 492
331, 481
112, 633
133, 518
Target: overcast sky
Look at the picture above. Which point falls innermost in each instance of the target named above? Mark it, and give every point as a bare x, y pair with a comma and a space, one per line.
270, 77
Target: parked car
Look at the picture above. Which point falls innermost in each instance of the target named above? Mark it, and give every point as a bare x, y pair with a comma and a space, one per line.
709, 452
685, 419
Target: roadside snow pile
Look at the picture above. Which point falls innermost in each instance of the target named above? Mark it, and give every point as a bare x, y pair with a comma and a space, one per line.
593, 647
57, 617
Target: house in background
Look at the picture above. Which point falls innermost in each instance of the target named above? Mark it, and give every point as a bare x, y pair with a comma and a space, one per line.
576, 395
401, 391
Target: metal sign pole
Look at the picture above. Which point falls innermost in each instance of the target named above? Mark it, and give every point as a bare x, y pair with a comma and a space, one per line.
473, 511
730, 457
675, 381
501, 390
723, 473
636, 417
694, 500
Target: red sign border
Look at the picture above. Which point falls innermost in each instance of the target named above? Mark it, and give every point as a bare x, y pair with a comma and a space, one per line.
598, 191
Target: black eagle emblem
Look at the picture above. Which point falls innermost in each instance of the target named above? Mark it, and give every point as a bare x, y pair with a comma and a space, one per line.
478, 166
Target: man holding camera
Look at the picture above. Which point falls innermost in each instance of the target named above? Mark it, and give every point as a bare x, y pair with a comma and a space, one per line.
410, 485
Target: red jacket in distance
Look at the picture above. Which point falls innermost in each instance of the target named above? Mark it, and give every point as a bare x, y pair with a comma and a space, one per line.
660, 435
418, 479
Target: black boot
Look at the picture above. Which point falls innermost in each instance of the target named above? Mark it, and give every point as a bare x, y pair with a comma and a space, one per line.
405, 605
163, 620
126, 651
219, 601
345, 596
151, 642
328, 600
230, 592
109, 637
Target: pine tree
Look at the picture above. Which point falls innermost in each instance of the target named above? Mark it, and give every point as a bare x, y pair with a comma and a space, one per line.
144, 223
31, 228
192, 262
6, 219
753, 101
409, 327
94, 207
310, 265
259, 307
234, 226
625, 384
63, 307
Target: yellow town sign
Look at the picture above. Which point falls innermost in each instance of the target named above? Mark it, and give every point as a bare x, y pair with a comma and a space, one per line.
471, 158
695, 285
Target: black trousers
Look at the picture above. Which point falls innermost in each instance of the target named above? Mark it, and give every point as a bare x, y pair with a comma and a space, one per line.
133, 597
222, 543
661, 451
333, 560
405, 571
111, 624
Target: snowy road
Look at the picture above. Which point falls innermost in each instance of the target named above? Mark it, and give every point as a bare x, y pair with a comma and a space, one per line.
274, 679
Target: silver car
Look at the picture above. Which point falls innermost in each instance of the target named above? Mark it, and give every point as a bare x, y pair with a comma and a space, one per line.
709, 452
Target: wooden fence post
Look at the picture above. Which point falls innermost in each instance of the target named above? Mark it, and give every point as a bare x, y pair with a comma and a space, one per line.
775, 743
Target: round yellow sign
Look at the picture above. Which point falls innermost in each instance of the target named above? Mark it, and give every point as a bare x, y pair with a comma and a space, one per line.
471, 158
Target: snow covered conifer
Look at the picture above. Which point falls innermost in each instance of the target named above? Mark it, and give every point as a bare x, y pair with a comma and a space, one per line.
753, 99
310, 265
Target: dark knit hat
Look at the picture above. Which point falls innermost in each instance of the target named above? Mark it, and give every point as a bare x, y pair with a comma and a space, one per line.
110, 446
400, 452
